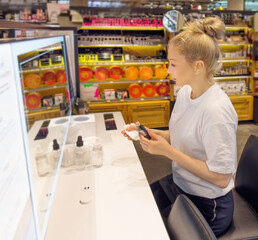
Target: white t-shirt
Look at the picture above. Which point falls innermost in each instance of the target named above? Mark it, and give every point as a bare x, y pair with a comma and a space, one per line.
204, 128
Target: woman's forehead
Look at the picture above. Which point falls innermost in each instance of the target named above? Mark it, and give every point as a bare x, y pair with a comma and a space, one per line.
173, 54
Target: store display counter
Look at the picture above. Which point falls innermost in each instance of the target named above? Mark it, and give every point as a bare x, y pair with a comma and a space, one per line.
113, 201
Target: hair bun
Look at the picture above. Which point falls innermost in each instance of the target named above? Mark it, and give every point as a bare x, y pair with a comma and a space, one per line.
214, 27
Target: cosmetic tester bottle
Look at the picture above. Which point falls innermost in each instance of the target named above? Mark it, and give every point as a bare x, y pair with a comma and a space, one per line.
67, 160
81, 108
79, 154
88, 150
97, 154
62, 109
55, 154
43, 167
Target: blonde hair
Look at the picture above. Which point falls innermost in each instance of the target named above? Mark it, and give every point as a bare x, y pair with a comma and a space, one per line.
198, 42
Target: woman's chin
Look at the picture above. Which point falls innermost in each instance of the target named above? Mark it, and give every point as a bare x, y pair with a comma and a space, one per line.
178, 84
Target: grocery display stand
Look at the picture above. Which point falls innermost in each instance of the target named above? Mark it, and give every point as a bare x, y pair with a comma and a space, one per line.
148, 107
255, 76
49, 63
51, 87
237, 79
236, 76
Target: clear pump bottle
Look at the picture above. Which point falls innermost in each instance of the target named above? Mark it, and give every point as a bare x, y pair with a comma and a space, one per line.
55, 154
79, 153
43, 167
67, 160
97, 154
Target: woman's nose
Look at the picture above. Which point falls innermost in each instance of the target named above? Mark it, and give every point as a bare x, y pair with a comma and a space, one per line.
169, 71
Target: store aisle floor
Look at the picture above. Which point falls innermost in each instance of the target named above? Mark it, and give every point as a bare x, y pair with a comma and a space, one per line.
156, 167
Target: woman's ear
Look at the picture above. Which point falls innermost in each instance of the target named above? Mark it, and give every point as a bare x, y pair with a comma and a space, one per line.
198, 66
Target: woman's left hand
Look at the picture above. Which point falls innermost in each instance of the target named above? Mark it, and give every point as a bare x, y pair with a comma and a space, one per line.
157, 145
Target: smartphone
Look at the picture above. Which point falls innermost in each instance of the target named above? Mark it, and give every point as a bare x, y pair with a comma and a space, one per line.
142, 130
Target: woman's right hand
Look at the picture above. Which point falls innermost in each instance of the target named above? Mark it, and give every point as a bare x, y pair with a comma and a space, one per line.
130, 128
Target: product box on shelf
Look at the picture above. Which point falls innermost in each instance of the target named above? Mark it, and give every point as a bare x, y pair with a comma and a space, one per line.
109, 94
89, 91
123, 22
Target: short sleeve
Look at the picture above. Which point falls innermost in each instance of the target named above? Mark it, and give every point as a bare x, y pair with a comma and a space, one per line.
220, 146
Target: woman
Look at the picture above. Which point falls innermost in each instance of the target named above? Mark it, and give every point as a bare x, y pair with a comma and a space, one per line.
201, 140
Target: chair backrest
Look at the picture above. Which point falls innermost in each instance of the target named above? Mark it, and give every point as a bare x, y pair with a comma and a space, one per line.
246, 181
185, 221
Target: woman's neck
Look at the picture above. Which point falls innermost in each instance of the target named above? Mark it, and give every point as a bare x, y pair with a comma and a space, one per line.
199, 87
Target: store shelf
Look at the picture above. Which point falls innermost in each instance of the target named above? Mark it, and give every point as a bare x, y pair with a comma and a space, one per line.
50, 49
129, 99
235, 44
237, 28
123, 45
235, 60
45, 88
233, 76
33, 21
120, 28
243, 94
127, 81
136, 62
40, 109
232, 28
41, 69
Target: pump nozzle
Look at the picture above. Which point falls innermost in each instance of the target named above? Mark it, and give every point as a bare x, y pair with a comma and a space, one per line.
79, 142
55, 145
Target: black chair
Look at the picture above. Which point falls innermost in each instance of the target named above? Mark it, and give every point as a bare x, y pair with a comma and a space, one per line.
245, 193
184, 225
185, 221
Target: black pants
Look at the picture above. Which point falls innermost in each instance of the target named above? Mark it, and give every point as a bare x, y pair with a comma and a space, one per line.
218, 212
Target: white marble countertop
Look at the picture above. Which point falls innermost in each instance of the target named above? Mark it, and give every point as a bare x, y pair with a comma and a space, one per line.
121, 203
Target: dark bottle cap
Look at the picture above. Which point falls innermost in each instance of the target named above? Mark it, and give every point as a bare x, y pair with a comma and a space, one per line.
55, 145
62, 106
80, 105
79, 142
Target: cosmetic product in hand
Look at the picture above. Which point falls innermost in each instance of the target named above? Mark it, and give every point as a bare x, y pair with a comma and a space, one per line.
43, 167
55, 154
97, 154
142, 130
